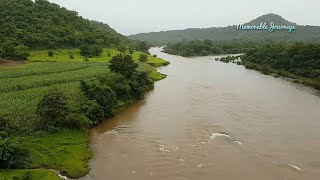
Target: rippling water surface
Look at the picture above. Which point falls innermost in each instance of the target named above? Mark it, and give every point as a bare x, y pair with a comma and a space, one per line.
210, 120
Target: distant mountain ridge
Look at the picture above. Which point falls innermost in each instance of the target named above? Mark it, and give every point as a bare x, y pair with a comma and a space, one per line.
302, 33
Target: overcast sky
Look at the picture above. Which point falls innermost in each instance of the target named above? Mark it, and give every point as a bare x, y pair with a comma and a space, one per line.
136, 16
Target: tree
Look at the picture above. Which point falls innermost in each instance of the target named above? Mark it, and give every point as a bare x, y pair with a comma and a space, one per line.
101, 93
143, 58
90, 51
122, 48
85, 50
13, 154
96, 50
124, 65
142, 46
92, 110
52, 108
21, 52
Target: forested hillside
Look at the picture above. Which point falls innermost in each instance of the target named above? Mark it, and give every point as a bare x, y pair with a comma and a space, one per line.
297, 58
44, 25
302, 33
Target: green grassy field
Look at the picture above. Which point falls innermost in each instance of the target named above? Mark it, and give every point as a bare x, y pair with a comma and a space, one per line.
107, 54
23, 86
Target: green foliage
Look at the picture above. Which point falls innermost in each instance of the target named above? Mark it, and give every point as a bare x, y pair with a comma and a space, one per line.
36, 174
122, 48
297, 58
45, 25
118, 83
77, 121
124, 65
71, 56
53, 108
230, 33
66, 151
10, 50
101, 93
50, 53
143, 58
90, 51
27, 176
208, 47
12, 154
140, 84
142, 46
92, 110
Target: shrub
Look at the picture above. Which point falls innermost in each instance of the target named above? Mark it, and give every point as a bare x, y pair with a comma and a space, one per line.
96, 50
77, 121
118, 83
124, 65
6, 127
12, 154
143, 58
52, 108
92, 110
71, 56
50, 53
9, 49
27, 176
101, 93
140, 84
90, 51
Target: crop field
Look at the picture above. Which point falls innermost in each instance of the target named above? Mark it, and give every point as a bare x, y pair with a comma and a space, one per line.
107, 54
23, 86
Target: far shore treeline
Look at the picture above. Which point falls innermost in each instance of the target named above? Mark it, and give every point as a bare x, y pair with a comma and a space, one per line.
297, 60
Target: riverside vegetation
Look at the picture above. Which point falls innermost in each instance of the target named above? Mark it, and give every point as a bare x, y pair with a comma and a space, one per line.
297, 61
47, 108
73, 73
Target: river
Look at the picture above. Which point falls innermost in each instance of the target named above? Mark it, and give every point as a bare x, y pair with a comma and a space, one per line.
211, 120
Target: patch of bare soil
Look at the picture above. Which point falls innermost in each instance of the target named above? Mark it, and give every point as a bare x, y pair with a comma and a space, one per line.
4, 62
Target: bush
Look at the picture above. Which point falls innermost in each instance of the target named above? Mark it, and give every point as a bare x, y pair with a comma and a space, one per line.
143, 58
85, 50
9, 49
118, 83
77, 121
52, 108
90, 51
50, 53
7, 127
93, 111
124, 65
101, 93
12, 154
71, 56
140, 85
27, 176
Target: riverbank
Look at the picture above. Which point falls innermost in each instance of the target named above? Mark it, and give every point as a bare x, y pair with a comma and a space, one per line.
64, 150
281, 73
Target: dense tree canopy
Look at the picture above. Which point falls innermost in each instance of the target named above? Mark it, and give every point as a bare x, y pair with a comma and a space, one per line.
208, 47
44, 25
298, 58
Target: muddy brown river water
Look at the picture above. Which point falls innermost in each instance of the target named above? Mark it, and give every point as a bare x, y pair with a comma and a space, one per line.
210, 120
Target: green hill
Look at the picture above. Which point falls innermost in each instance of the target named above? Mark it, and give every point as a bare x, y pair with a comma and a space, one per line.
302, 33
45, 25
